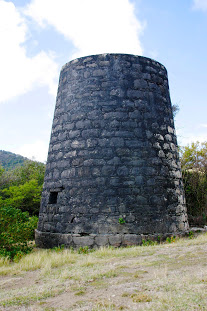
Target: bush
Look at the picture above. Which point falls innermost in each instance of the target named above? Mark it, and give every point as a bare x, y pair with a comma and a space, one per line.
16, 230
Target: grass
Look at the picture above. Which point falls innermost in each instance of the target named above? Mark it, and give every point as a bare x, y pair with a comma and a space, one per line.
33, 295
171, 276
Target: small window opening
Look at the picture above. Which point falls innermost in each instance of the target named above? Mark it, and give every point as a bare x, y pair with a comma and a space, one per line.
53, 197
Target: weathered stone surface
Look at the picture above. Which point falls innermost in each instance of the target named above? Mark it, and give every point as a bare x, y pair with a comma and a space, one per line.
131, 239
115, 240
112, 155
102, 240
83, 240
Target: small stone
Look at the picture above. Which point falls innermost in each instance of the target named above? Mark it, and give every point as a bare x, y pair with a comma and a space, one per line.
161, 154
77, 144
168, 137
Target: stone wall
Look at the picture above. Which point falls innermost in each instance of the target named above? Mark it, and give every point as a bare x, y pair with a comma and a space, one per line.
113, 156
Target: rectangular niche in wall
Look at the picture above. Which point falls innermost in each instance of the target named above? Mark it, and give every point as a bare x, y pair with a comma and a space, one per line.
53, 197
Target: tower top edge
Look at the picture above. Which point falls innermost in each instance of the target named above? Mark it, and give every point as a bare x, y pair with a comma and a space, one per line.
108, 56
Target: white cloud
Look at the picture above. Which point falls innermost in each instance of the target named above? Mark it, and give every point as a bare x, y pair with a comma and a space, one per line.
203, 125
19, 73
35, 151
93, 26
200, 5
185, 139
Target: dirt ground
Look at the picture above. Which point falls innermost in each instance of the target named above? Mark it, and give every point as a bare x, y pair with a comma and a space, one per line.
161, 277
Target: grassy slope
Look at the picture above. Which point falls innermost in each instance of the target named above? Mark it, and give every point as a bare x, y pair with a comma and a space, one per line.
160, 277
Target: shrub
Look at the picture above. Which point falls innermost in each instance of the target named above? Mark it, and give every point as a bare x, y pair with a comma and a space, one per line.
16, 230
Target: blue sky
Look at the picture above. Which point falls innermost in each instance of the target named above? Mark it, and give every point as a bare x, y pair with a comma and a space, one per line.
39, 36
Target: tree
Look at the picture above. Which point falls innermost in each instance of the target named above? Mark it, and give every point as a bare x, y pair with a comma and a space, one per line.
21, 187
194, 157
21, 174
194, 170
1, 170
26, 197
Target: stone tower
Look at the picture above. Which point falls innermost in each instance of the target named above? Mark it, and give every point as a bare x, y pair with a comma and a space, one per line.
113, 175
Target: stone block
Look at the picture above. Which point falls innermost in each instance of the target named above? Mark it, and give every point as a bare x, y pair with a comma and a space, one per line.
115, 240
83, 240
68, 173
77, 144
131, 239
73, 134
101, 240
141, 200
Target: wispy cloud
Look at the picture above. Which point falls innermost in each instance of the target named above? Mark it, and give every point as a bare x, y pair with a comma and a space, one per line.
20, 73
108, 26
200, 5
203, 125
185, 139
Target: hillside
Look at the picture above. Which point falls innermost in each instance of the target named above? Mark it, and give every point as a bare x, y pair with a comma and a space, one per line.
10, 160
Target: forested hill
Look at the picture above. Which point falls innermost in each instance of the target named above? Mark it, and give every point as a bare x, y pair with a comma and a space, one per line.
10, 160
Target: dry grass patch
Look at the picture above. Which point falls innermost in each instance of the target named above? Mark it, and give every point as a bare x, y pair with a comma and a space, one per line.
25, 296
40, 259
140, 297
171, 277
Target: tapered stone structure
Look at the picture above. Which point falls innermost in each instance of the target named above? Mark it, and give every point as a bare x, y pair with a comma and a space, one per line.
113, 174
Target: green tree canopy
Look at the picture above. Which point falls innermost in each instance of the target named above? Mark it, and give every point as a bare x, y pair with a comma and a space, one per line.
21, 187
194, 156
194, 171
25, 197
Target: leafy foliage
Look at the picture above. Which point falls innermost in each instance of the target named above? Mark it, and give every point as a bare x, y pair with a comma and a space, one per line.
1, 170
121, 220
16, 230
171, 239
194, 157
21, 174
21, 188
25, 197
194, 170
